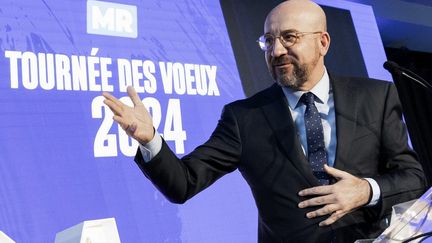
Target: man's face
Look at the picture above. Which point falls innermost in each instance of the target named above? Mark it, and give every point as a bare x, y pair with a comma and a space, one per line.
291, 66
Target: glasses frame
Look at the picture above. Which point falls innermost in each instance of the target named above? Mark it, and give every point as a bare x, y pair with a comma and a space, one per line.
261, 40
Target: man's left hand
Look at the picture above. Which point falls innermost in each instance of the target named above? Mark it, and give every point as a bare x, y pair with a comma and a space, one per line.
346, 195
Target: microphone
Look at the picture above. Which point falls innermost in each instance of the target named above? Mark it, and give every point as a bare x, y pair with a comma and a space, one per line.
394, 68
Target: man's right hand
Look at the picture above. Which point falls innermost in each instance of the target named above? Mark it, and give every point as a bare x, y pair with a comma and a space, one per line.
136, 121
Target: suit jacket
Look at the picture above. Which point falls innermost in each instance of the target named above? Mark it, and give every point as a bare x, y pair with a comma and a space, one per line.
258, 137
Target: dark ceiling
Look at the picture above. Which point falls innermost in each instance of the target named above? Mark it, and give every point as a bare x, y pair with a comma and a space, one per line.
404, 23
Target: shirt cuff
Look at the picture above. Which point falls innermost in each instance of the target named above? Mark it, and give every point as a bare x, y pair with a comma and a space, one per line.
152, 148
376, 192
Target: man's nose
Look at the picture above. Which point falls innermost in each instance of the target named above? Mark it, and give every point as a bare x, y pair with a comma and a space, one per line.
278, 49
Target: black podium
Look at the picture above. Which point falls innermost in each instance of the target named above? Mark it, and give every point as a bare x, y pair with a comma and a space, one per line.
415, 95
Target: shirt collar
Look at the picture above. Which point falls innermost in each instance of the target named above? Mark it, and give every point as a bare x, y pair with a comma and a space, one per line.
321, 90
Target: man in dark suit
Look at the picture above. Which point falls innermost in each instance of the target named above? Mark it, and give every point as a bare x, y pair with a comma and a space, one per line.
325, 157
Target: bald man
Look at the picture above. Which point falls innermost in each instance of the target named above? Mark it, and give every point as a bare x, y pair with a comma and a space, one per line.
325, 157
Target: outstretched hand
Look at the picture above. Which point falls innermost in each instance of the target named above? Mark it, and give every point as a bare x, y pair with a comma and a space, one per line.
135, 121
346, 195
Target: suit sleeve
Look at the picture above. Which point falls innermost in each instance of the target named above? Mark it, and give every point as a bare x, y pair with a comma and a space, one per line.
401, 176
180, 179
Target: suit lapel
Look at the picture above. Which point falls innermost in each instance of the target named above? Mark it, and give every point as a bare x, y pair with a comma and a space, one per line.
279, 117
345, 102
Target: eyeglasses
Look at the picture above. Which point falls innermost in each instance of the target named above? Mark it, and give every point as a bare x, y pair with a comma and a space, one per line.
287, 38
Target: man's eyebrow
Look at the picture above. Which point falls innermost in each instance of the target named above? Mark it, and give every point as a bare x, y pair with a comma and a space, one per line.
284, 31
289, 31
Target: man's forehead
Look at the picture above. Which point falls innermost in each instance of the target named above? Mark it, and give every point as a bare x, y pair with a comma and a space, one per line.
275, 24
296, 14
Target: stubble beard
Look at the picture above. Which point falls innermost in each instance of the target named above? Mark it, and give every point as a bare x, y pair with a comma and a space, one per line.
300, 72
294, 79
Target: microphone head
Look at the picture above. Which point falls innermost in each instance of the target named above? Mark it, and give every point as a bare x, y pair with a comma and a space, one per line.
392, 67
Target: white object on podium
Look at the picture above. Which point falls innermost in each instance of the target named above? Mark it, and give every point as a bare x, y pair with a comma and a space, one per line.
415, 221
4, 238
92, 231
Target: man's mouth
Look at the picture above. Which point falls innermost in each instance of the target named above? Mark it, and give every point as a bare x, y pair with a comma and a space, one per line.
281, 65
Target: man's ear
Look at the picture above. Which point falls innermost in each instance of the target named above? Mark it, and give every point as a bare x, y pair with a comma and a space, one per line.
324, 43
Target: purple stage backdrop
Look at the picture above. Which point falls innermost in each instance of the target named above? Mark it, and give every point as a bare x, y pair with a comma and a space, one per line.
63, 160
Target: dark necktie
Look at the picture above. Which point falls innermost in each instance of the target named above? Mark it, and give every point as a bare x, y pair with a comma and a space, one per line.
317, 153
